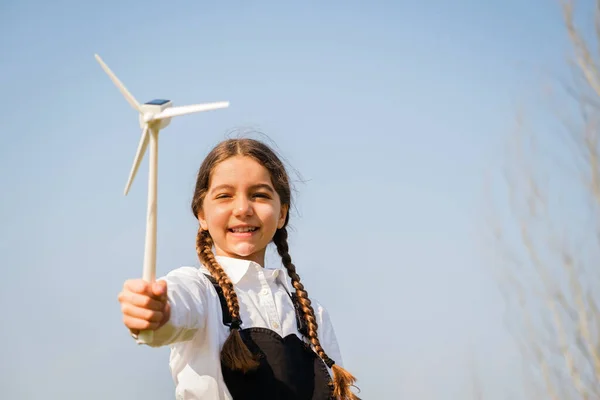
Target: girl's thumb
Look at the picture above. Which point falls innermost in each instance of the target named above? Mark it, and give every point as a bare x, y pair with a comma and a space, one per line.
159, 288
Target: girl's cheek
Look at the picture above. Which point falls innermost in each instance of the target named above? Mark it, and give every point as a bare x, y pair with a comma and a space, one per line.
265, 210
220, 211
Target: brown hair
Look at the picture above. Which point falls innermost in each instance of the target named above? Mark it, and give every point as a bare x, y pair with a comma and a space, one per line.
235, 354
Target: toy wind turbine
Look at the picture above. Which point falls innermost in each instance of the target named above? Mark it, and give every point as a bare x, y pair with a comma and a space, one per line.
154, 116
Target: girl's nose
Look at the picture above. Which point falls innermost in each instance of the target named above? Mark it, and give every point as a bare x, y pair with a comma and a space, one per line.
242, 207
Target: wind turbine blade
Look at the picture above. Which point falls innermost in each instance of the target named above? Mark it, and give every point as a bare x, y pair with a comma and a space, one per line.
128, 96
139, 156
182, 110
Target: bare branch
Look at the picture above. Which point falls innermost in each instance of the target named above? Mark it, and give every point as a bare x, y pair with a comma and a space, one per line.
583, 57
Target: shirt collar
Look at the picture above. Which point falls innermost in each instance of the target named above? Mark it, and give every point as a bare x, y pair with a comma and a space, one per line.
235, 268
285, 279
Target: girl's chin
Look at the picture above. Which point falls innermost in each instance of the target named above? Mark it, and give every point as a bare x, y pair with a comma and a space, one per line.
244, 251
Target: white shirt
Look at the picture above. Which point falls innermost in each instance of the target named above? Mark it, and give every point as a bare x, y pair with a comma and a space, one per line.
195, 331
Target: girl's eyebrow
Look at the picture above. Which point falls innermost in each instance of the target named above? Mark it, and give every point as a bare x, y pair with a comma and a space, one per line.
262, 186
224, 186
253, 187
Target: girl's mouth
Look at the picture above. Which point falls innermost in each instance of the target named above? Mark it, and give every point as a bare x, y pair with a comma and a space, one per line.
243, 229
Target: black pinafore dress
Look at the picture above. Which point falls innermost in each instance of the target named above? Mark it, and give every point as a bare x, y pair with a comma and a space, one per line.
289, 369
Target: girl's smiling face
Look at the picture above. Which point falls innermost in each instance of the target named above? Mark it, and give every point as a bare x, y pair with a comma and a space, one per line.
241, 209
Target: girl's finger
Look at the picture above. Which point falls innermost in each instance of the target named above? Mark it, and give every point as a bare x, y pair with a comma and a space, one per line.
136, 324
141, 300
141, 313
138, 286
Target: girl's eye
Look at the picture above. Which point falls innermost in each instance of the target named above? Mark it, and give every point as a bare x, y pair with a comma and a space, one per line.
263, 195
221, 196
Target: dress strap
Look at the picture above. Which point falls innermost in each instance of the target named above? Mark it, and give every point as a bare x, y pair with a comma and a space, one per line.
301, 324
225, 310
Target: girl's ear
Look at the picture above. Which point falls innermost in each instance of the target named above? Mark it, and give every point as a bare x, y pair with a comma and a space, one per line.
282, 215
202, 221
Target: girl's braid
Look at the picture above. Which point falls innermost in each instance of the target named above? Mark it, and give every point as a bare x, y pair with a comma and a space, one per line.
342, 379
235, 354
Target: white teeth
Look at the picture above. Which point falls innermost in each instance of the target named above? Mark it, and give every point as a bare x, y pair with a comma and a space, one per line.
245, 229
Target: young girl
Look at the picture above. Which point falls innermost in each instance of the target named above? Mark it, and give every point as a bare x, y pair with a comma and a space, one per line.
236, 329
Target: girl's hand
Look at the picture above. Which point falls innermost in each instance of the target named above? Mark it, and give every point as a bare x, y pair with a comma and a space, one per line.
144, 305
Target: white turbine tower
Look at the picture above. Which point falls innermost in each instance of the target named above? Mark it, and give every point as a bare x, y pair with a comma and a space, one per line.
154, 116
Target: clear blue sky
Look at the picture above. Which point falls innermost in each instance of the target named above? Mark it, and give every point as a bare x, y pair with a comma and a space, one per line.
390, 111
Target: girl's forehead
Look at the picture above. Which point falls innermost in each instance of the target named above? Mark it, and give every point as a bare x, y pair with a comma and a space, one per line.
239, 170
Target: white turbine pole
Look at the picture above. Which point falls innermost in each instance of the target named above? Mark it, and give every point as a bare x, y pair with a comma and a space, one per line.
149, 272
150, 253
